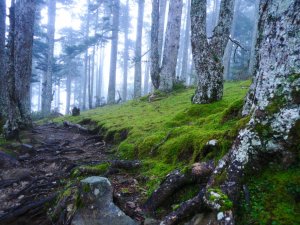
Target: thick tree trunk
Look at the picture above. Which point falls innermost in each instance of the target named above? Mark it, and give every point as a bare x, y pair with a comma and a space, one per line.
47, 79
89, 82
270, 130
154, 53
114, 53
19, 66
187, 37
146, 78
208, 55
126, 52
2, 59
168, 70
68, 87
138, 52
162, 8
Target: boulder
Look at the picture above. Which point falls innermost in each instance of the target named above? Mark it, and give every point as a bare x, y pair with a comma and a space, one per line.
96, 205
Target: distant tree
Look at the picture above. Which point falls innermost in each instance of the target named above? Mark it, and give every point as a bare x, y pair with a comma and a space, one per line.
208, 55
47, 78
171, 46
19, 66
126, 50
2, 59
114, 52
154, 53
138, 51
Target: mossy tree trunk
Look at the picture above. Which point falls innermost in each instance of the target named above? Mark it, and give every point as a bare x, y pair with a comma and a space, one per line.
273, 102
19, 66
208, 55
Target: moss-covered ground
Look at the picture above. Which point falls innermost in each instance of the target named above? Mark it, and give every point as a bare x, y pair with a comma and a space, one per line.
171, 132
274, 197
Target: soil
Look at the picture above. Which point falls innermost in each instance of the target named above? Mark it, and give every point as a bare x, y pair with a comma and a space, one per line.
42, 160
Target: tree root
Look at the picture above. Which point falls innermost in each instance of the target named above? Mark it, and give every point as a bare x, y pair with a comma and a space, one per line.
77, 126
199, 173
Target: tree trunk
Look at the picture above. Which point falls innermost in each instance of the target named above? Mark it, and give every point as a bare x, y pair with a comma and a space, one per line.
85, 78
252, 62
187, 37
47, 79
114, 53
168, 70
208, 55
126, 52
19, 66
276, 72
154, 53
228, 50
101, 60
138, 52
68, 87
2, 59
162, 8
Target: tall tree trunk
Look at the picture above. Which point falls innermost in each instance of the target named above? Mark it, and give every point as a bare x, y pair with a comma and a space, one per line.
168, 70
126, 52
19, 66
252, 62
187, 37
162, 8
114, 53
89, 83
2, 59
68, 97
47, 79
85, 78
101, 61
154, 53
228, 50
208, 56
138, 52
92, 77
146, 78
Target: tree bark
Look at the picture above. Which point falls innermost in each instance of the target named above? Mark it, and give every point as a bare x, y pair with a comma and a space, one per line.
126, 52
168, 70
114, 53
19, 66
154, 53
138, 52
208, 55
2, 59
47, 79
68, 87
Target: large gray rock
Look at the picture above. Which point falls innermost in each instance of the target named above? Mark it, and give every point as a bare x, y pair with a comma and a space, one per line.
96, 204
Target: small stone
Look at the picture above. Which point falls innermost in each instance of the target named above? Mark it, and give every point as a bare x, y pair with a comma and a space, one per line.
220, 215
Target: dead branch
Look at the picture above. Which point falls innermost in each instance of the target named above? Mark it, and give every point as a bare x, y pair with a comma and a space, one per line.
77, 126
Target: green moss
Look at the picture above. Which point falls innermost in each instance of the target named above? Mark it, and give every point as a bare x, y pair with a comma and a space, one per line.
216, 196
264, 131
274, 197
276, 104
293, 77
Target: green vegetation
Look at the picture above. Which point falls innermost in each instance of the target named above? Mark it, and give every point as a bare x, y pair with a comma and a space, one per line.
170, 132
216, 196
274, 197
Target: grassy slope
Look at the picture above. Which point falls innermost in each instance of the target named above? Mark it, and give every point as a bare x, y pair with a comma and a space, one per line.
186, 127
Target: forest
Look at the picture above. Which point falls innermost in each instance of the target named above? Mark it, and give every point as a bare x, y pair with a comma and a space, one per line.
149, 112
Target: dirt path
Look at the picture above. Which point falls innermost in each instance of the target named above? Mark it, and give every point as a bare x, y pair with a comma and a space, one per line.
46, 157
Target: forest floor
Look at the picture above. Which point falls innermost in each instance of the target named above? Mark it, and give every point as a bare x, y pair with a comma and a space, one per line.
40, 166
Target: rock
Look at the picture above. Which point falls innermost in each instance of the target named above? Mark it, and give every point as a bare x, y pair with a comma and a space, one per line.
96, 198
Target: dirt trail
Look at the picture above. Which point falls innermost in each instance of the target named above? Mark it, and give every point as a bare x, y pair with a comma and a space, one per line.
46, 156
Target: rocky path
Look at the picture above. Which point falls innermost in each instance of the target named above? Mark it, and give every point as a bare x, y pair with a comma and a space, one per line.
43, 159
